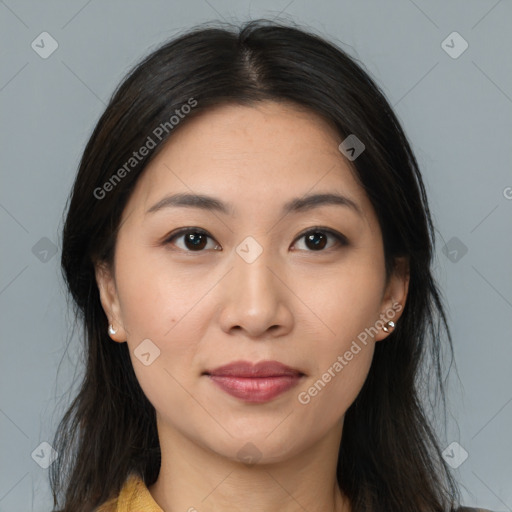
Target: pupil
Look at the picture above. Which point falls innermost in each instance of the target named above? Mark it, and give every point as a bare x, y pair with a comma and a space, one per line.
317, 244
194, 239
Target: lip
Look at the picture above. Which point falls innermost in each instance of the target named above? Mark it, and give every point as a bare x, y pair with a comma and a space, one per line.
248, 369
255, 383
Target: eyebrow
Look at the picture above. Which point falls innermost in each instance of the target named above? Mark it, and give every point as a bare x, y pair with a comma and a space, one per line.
299, 204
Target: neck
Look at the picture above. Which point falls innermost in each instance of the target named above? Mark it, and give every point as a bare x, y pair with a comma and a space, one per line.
194, 478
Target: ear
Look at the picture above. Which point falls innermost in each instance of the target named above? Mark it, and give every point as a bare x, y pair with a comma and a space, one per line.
394, 298
110, 300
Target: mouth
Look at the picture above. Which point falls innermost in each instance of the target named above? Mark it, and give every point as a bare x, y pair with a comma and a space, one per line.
246, 369
256, 383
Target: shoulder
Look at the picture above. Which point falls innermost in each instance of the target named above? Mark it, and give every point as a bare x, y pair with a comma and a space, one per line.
108, 506
134, 496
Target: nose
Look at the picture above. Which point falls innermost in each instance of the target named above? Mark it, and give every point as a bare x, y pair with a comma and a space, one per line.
255, 299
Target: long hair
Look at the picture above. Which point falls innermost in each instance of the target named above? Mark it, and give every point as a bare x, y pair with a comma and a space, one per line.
390, 457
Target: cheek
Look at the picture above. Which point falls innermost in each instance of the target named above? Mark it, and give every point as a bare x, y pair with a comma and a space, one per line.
340, 363
341, 368
347, 306
161, 305
343, 300
158, 298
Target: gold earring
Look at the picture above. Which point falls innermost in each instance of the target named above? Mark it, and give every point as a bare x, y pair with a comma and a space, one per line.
388, 325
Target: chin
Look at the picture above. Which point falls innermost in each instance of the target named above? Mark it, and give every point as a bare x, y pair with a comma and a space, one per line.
257, 448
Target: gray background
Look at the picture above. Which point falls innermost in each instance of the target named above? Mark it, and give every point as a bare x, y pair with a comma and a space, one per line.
457, 113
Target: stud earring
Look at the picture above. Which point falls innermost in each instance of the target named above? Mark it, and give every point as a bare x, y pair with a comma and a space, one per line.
388, 325
111, 329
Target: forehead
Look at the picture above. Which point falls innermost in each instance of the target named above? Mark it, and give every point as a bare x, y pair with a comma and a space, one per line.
270, 153
267, 131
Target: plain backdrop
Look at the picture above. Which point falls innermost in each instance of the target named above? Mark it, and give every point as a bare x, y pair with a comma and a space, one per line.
455, 104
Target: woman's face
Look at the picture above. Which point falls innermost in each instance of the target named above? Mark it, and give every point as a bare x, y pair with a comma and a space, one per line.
253, 279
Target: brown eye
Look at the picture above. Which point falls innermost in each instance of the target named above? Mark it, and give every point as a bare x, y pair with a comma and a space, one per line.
316, 239
194, 239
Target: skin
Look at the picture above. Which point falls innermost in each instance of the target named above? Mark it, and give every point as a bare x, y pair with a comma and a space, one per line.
294, 304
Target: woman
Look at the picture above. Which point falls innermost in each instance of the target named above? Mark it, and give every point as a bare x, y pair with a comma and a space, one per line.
248, 244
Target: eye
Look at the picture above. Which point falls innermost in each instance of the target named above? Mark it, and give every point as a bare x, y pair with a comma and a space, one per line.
317, 238
194, 239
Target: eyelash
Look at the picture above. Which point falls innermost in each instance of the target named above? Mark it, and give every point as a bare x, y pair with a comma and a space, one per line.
340, 239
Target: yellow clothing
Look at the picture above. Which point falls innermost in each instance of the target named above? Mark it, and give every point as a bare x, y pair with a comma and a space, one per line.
133, 497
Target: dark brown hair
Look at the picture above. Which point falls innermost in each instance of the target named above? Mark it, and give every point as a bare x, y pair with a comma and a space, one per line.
390, 459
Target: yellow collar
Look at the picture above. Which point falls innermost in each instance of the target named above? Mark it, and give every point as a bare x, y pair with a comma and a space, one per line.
133, 497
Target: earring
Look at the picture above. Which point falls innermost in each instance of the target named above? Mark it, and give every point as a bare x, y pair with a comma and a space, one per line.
111, 329
388, 325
